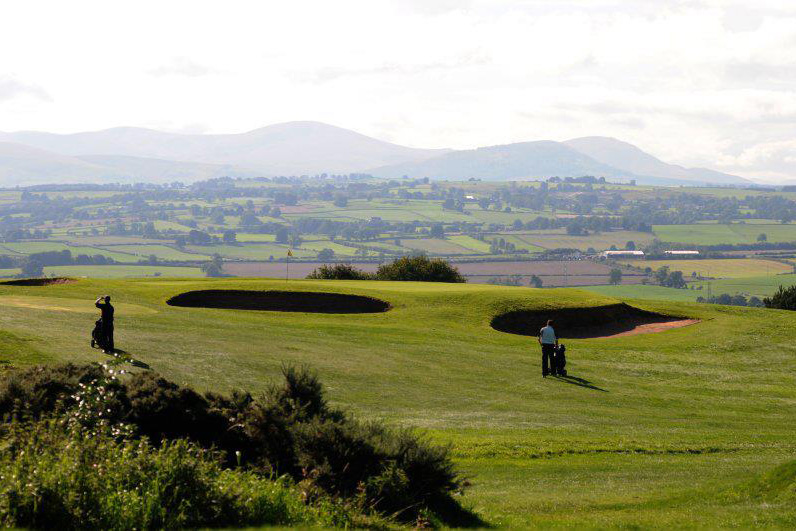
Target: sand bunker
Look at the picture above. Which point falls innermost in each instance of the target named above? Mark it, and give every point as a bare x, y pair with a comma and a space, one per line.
614, 320
279, 301
37, 281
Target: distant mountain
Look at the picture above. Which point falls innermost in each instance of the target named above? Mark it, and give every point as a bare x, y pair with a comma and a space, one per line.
524, 160
21, 164
597, 156
290, 148
296, 148
629, 158
24, 165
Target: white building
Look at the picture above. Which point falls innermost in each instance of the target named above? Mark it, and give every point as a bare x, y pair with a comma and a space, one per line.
682, 253
611, 254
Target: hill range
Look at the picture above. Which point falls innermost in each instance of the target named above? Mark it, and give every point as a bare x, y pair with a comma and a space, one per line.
295, 148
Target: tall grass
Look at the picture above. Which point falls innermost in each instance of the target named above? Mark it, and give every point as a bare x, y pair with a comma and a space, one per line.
56, 477
291, 430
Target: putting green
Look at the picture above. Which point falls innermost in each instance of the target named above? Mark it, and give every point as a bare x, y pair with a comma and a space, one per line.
62, 304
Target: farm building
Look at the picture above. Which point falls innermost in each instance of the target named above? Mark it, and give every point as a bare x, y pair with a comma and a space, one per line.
623, 254
682, 253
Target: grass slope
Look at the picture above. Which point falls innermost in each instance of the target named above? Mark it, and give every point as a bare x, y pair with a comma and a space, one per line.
653, 432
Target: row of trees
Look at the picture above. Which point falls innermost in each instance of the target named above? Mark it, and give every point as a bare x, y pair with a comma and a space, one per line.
732, 300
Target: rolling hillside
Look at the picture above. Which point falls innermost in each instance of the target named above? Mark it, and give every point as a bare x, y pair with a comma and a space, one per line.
651, 430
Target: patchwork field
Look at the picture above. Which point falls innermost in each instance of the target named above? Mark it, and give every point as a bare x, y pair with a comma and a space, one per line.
720, 268
652, 430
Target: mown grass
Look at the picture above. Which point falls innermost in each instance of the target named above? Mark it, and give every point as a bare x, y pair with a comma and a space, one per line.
653, 430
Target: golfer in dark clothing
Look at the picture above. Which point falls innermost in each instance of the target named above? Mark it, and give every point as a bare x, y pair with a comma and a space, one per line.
107, 322
549, 342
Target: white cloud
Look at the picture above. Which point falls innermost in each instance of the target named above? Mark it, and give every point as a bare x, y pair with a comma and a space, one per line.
180, 66
11, 88
692, 81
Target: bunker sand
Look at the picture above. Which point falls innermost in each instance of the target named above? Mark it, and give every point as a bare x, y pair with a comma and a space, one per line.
601, 322
651, 328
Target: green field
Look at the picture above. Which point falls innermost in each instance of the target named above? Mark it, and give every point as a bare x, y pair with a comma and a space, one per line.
715, 234
41, 247
163, 252
640, 291
260, 252
122, 271
763, 286
436, 246
719, 268
468, 242
600, 241
659, 431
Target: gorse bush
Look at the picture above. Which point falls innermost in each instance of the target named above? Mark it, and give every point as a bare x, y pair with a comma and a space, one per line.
421, 269
783, 299
339, 272
290, 429
407, 268
57, 478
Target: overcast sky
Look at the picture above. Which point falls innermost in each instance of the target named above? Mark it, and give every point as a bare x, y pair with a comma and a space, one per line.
694, 82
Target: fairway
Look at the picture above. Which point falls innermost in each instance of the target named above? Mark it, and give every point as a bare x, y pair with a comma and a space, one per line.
652, 430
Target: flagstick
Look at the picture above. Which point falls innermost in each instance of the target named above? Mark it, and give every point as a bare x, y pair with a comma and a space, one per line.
287, 267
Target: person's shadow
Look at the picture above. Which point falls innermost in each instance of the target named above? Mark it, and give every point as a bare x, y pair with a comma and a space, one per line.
580, 382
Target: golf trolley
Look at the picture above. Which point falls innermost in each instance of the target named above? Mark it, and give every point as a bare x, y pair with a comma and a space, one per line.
97, 336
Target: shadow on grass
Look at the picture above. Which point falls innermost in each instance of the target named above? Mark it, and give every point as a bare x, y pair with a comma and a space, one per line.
124, 355
580, 382
452, 514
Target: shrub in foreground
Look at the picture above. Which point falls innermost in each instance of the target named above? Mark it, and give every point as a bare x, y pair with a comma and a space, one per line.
54, 477
291, 430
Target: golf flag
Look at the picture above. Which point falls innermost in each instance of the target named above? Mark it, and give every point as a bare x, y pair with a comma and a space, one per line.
289, 252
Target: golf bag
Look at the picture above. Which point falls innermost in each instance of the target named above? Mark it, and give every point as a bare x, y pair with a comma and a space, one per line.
98, 336
561, 360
